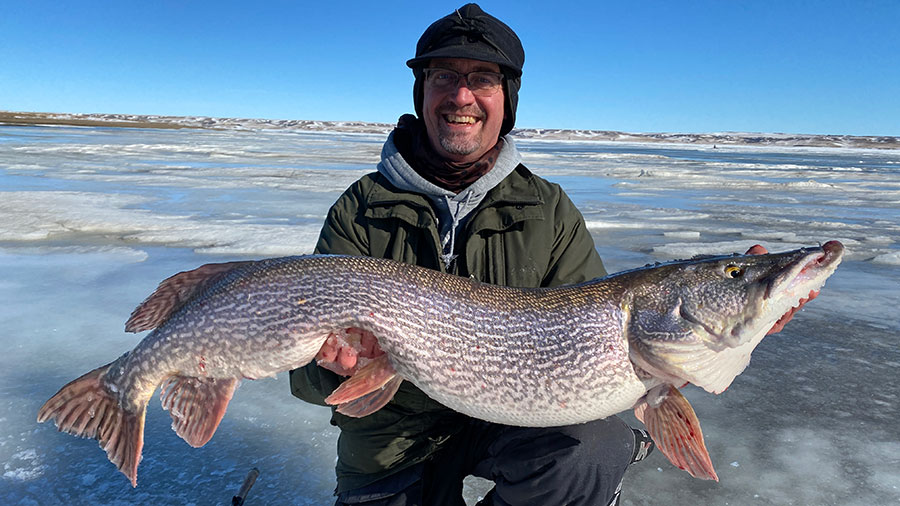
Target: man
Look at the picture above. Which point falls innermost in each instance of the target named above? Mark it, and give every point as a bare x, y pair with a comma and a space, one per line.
451, 194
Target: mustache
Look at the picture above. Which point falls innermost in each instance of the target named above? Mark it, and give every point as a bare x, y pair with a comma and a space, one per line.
472, 110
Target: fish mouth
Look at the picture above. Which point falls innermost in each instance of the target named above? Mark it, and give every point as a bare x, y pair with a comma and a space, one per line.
787, 290
809, 271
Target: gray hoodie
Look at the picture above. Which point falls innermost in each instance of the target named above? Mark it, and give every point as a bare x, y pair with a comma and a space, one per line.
452, 209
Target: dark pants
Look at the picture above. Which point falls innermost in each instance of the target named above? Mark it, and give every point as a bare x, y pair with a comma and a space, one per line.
574, 465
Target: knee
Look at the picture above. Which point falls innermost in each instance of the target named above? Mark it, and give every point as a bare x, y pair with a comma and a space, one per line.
608, 443
577, 464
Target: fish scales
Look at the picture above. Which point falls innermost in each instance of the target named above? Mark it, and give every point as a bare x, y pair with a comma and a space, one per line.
501, 356
484, 353
527, 357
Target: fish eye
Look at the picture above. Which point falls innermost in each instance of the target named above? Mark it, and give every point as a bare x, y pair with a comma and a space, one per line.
733, 271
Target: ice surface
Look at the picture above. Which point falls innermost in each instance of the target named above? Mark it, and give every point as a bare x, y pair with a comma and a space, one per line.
91, 219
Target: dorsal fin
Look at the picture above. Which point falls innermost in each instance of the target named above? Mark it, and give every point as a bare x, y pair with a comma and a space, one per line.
174, 292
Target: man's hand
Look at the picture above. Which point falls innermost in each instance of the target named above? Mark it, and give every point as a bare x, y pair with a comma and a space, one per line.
760, 250
346, 351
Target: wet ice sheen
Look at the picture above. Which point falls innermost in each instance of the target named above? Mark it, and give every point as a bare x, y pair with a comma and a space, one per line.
92, 219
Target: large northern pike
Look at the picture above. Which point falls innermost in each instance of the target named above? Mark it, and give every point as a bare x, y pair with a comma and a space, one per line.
528, 357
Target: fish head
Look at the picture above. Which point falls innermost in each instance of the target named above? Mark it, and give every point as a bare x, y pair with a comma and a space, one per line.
698, 320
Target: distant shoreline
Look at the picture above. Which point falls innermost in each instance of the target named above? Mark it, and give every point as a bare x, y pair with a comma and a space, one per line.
37, 118
194, 122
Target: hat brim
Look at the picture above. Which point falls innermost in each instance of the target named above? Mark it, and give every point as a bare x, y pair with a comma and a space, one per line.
467, 51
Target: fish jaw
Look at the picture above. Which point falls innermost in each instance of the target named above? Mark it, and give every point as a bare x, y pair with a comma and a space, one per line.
703, 329
783, 293
807, 275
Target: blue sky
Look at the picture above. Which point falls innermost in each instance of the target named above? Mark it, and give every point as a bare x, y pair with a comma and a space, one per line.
828, 67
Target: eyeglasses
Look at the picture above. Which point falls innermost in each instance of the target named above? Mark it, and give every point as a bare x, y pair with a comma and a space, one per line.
480, 83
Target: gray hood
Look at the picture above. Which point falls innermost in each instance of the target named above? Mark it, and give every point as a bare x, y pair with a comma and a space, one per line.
452, 209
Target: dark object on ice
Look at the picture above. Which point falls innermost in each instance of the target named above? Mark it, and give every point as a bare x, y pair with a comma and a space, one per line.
238, 500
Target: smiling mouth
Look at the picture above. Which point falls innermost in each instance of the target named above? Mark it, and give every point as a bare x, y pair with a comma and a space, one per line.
455, 119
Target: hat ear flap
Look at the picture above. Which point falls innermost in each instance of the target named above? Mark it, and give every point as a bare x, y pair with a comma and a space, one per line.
511, 91
419, 91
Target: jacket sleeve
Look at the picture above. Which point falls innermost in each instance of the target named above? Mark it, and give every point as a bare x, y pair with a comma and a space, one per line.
573, 256
341, 235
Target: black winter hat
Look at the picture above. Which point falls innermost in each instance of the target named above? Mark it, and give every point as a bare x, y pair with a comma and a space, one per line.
471, 33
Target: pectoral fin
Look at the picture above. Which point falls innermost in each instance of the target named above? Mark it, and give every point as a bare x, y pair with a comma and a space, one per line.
368, 390
372, 401
674, 427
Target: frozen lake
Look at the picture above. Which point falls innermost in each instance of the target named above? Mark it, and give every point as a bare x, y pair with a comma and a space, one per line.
91, 219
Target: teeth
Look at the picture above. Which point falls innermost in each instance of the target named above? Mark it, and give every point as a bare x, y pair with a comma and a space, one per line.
452, 118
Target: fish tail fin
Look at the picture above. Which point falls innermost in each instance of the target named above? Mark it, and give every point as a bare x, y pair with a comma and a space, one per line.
87, 408
674, 427
368, 390
196, 405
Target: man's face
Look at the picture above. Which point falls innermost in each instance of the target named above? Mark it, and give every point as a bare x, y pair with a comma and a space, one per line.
462, 126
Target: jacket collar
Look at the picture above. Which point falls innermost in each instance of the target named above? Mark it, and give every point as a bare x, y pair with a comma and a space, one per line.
504, 196
515, 199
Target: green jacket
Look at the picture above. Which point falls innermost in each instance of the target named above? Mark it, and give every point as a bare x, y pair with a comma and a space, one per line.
525, 232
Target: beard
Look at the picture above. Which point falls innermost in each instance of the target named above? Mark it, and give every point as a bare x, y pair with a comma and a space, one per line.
461, 143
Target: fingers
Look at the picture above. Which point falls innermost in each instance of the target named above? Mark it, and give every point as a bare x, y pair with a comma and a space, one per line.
779, 325
336, 357
329, 350
345, 351
756, 249
347, 357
